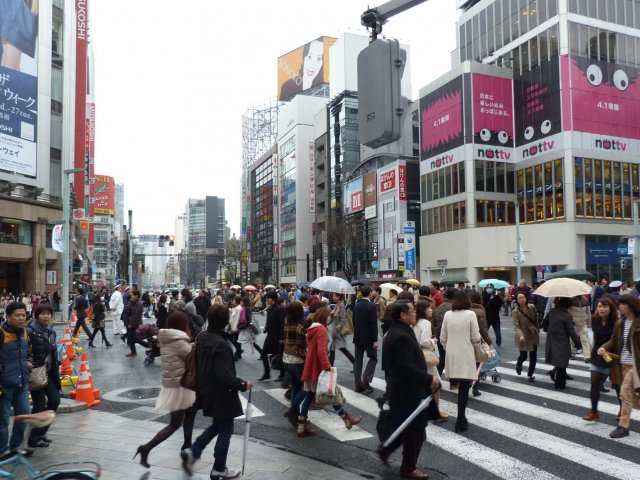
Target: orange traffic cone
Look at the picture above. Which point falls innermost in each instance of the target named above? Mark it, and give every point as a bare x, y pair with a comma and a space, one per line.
68, 345
65, 368
84, 392
85, 361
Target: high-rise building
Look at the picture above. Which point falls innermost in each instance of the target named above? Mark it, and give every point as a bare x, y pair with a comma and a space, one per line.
539, 125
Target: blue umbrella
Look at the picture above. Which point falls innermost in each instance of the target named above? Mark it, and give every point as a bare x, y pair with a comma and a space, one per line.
497, 284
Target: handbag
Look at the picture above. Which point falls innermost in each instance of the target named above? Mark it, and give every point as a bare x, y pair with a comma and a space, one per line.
189, 379
337, 398
483, 351
432, 357
91, 315
347, 327
39, 378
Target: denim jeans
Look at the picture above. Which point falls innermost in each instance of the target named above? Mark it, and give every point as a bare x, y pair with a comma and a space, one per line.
223, 429
18, 398
295, 373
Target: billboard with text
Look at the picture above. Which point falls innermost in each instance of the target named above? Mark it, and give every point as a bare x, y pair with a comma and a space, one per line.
353, 199
441, 126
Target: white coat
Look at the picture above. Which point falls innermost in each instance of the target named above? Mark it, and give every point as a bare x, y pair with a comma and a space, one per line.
458, 335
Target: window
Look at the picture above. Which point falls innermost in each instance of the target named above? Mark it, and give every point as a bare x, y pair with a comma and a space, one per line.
443, 183
444, 219
540, 192
15, 231
492, 213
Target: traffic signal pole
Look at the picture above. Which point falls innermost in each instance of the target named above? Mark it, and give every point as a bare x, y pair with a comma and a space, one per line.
375, 17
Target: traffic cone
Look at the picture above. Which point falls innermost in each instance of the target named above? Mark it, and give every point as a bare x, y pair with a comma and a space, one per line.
65, 368
68, 344
73, 321
84, 392
85, 361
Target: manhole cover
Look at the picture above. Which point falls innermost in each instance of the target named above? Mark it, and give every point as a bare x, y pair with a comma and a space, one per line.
140, 393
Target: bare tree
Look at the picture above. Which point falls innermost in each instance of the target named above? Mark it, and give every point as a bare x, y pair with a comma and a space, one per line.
345, 240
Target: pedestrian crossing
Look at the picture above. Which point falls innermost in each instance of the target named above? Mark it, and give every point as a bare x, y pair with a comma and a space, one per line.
517, 429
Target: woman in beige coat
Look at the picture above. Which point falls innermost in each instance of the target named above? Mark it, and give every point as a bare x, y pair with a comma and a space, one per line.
175, 344
581, 314
458, 335
527, 334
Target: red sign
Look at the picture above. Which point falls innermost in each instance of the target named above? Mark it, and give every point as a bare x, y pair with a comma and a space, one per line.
82, 21
103, 194
356, 201
388, 181
402, 182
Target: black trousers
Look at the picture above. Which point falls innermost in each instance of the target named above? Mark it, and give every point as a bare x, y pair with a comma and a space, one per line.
47, 398
533, 356
81, 323
411, 441
495, 323
443, 356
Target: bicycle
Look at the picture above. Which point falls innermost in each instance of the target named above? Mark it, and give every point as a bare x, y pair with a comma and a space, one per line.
52, 472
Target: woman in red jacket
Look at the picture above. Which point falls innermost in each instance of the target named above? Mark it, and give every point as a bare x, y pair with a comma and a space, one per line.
318, 360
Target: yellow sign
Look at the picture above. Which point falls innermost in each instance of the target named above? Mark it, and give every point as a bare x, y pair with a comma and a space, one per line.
244, 256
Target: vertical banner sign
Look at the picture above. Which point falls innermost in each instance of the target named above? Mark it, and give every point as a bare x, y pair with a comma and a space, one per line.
82, 20
370, 195
103, 194
19, 90
90, 142
410, 249
402, 183
312, 177
401, 252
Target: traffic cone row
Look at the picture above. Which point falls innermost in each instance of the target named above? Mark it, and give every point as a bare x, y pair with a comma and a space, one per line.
85, 362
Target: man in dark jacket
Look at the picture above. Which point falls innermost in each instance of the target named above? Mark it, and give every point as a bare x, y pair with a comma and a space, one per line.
134, 321
202, 303
217, 394
274, 328
365, 339
80, 305
408, 383
14, 379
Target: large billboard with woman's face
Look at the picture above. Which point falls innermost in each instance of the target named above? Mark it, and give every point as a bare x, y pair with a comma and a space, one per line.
18, 86
441, 119
304, 68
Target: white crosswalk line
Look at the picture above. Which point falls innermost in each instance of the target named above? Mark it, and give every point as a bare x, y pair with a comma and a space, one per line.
329, 422
577, 363
577, 385
560, 396
545, 368
559, 418
493, 461
255, 412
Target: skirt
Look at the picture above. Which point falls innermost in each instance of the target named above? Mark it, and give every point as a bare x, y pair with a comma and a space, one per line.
310, 386
596, 368
174, 399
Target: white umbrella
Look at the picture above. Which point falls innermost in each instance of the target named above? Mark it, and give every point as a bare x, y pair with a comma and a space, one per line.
247, 430
332, 284
562, 287
269, 287
387, 287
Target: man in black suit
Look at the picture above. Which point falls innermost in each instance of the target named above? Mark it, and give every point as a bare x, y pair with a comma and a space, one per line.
365, 339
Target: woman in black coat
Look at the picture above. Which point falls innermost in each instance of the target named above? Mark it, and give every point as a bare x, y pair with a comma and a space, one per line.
217, 392
99, 315
492, 302
408, 383
560, 329
274, 328
161, 312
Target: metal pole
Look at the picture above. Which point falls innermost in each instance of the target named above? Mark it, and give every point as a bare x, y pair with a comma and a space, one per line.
636, 234
66, 232
518, 257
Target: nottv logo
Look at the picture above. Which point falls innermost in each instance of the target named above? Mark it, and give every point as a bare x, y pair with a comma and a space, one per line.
442, 161
494, 154
542, 147
610, 144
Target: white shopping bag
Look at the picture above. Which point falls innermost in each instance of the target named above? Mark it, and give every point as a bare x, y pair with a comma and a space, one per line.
327, 381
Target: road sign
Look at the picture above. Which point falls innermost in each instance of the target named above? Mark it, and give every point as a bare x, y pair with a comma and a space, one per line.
442, 262
442, 272
375, 264
539, 268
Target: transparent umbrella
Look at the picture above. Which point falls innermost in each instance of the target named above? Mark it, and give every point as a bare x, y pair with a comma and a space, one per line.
332, 284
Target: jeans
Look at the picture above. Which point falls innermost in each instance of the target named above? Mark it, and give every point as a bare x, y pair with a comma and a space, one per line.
223, 429
295, 374
495, 323
47, 398
132, 340
18, 398
370, 369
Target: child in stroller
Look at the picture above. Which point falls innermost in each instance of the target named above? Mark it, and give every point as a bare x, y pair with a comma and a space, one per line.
149, 332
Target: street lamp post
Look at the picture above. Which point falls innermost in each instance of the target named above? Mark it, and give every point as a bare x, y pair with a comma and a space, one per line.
66, 232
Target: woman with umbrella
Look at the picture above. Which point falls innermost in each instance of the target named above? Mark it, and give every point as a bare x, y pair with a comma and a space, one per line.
339, 320
492, 305
559, 330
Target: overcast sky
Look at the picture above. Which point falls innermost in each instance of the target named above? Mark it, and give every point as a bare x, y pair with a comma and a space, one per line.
173, 79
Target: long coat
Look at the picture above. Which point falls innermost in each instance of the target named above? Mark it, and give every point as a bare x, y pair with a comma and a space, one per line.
274, 328
525, 324
317, 353
459, 332
339, 317
560, 328
408, 382
174, 347
481, 315
218, 384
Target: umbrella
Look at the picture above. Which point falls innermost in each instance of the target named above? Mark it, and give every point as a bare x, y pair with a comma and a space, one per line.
250, 288
332, 284
413, 282
358, 283
575, 273
387, 287
562, 287
235, 287
453, 279
247, 429
421, 406
269, 287
304, 284
497, 284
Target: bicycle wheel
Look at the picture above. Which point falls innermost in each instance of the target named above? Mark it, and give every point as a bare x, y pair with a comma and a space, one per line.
70, 476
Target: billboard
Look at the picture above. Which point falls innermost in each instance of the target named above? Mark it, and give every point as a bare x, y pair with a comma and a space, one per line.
18, 89
409, 230
80, 154
353, 200
304, 68
370, 184
441, 119
388, 180
492, 110
103, 193
604, 99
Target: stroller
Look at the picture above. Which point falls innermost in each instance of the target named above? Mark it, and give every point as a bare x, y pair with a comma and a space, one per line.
149, 332
487, 368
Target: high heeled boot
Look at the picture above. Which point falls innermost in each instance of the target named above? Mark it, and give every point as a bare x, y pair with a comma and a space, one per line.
350, 421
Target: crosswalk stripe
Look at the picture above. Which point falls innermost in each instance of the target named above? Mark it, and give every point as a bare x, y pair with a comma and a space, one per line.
559, 418
544, 367
577, 385
577, 363
493, 461
329, 422
255, 412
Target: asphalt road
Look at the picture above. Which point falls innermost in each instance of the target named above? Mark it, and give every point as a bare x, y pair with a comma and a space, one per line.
517, 429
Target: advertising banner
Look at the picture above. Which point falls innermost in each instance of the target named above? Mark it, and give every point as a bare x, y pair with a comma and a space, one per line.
370, 195
103, 192
537, 107
441, 119
352, 200
304, 68
312, 177
402, 183
79, 159
19, 90
604, 99
388, 180
605, 253
410, 249
492, 113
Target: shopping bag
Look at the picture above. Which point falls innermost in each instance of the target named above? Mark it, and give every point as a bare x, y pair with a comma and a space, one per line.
327, 382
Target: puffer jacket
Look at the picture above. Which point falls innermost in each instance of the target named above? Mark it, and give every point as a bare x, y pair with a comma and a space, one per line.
174, 347
43, 347
14, 352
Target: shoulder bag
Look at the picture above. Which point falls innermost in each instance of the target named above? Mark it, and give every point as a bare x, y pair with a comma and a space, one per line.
432, 357
189, 379
483, 351
39, 378
347, 327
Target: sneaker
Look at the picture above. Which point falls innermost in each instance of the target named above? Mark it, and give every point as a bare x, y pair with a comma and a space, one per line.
187, 460
39, 444
619, 432
26, 452
227, 473
47, 439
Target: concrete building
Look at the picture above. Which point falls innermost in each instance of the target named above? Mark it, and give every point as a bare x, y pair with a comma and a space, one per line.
547, 130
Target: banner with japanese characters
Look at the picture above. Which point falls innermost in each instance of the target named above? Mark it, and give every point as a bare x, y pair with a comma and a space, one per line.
441, 119
103, 194
19, 90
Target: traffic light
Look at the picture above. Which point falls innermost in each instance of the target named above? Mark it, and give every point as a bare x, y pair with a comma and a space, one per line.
170, 239
380, 111
161, 240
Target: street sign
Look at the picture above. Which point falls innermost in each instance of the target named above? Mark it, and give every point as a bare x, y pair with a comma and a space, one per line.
442, 272
539, 268
442, 262
253, 267
375, 264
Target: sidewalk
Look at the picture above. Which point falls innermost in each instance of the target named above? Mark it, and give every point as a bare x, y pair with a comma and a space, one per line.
111, 441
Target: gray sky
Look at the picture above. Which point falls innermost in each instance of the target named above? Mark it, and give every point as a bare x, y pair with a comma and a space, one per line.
172, 83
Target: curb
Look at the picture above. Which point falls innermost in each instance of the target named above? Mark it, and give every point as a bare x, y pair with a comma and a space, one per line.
69, 406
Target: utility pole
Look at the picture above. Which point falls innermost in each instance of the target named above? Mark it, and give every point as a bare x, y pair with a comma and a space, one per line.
518, 257
376, 17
